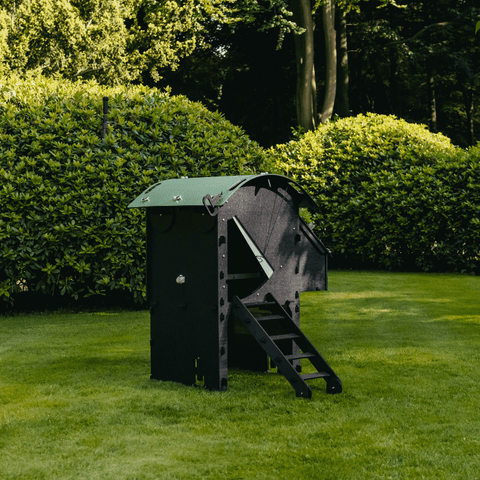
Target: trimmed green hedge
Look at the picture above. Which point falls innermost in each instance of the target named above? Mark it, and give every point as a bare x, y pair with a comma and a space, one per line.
391, 194
65, 230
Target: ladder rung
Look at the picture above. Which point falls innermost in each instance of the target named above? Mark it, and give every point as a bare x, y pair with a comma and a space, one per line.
310, 376
298, 356
259, 304
285, 336
265, 318
298, 381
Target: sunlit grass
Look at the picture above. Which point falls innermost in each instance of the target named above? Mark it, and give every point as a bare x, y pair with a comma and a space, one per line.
76, 400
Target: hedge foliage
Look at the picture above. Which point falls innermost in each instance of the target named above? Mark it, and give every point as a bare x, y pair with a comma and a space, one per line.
65, 229
391, 194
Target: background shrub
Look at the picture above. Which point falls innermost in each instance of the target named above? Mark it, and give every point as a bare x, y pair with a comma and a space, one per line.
391, 194
3, 40
65, 231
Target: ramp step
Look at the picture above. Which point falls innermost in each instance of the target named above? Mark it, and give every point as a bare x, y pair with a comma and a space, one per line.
285, 336
298, 356
259, 304
265, 318
311, 376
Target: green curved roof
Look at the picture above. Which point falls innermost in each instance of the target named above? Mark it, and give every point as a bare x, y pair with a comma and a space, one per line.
191, 191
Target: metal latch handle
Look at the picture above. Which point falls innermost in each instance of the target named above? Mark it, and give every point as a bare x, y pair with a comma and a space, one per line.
212, 201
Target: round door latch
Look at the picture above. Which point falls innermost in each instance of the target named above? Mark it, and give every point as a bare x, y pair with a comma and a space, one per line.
180, 279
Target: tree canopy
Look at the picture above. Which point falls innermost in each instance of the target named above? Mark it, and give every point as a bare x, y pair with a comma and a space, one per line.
116, 41
267, 65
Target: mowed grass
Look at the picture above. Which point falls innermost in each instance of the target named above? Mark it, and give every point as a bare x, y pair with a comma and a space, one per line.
76, 400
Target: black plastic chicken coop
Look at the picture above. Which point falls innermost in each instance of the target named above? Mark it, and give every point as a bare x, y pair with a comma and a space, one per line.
227, 258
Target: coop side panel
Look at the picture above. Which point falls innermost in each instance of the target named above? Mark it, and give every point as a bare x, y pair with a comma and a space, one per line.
183, 293
312, 260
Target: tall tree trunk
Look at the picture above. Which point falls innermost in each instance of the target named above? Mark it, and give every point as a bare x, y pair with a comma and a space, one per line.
393, 57
304, 54
468, 101
342, 105
328, 18
429, 16
432, 101
431, 97
394, 90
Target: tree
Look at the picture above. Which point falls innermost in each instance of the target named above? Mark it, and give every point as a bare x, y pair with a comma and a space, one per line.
342, 103
328, 17
58, 37
111, 40
119, 40
161, 33
419, 62
304, 13
3, 40
304, 53
261, 62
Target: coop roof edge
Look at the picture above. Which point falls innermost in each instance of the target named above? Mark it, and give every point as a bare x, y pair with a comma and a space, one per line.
192, 191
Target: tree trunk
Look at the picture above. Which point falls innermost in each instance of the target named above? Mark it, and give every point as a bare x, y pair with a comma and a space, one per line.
394, 89
432, 102
304, 54
328, 17
393, 57
468, 101
342, 105
431, 98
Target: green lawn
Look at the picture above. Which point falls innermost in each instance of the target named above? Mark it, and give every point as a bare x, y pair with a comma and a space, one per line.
76, 400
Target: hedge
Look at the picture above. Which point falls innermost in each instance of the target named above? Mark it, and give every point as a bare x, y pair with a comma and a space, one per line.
391, 194
65, 230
